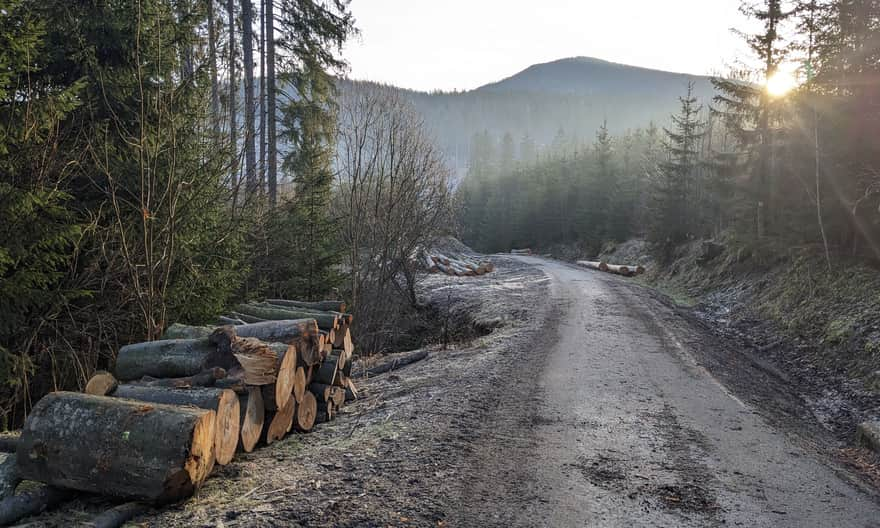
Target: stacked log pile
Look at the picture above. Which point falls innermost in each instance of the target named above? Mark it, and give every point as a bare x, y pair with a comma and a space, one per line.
153, 429
618, 269
525, 251
459, 266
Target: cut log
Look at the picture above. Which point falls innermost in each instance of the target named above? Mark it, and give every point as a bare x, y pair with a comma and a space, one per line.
325, 412
263, 363
525, 251
171, 358
9, 477
320, 306
110, 446
207, 378
594, 265
626, 271
399, 360
222, 401
326, 373
229, 321
31, 502
279, 422
304, 419
299, 384
248, 319
286, 331
323, 393
181, 331
344, 341
252, 418
118, 515
325, 320
101, 383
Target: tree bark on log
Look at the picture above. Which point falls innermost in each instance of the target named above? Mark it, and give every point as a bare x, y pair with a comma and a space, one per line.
172, 358
118, 515
287, 331
229, 321
322, 392
109, 446
101, 383
326, 321
326, 373
391, 364
325, 412
595, 265
31, 502
280, 423
319, 306
252, 418
626, 271
304, 419
223, 402
248, 319
208, 378
9, 477
182, 331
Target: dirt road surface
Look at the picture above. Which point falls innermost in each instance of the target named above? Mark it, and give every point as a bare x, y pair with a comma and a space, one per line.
564, 398
631, 429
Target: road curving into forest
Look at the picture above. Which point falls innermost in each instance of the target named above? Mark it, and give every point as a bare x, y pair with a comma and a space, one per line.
627, 427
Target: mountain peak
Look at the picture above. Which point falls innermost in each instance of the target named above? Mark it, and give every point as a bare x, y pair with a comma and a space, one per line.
589, 75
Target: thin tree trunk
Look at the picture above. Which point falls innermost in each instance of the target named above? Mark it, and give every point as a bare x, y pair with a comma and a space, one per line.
212, 53
262, 162
271, 150
247, 37
233, 87
818, 188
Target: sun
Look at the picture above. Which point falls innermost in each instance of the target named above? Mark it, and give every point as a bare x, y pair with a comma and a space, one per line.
780, 83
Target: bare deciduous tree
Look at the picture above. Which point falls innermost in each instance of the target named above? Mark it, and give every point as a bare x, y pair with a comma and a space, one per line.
392, 198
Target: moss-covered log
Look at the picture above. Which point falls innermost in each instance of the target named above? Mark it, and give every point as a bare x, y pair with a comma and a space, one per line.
325, 320
171, 358
319, 306
119, 447
222, 401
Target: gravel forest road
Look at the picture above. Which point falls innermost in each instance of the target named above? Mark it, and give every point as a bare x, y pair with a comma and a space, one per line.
629, 428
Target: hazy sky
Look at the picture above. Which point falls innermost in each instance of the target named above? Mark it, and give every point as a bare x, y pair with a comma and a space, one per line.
462, 44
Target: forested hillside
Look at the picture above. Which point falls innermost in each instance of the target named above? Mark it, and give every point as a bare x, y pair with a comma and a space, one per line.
774, 170
142, 179
568, 98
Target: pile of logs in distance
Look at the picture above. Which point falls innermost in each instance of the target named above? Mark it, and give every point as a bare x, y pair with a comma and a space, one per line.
526, 251
154, 429
460, 266
625, 270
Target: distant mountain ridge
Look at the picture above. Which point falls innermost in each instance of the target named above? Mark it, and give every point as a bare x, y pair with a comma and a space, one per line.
587, 75
574, 95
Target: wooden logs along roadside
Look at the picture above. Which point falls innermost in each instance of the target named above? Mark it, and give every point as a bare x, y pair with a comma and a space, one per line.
459, 266
206, 391
618, 269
